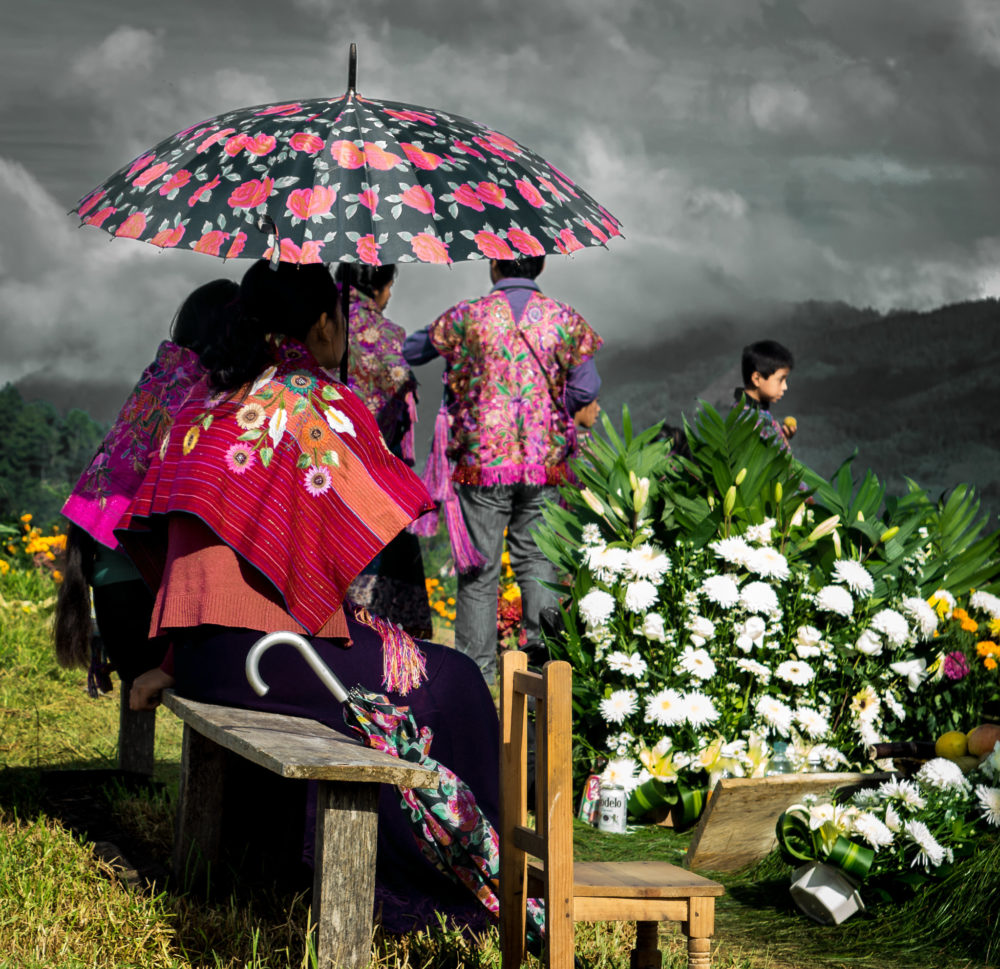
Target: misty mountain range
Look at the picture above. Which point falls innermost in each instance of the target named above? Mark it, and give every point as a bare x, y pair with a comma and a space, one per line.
914, 393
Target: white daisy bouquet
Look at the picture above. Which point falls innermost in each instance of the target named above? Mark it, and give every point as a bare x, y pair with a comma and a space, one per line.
904, 831
713, 610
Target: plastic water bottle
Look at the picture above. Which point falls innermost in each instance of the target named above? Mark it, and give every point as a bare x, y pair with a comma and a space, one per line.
780, 764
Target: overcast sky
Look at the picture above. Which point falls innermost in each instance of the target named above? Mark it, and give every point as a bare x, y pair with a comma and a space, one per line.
821, 149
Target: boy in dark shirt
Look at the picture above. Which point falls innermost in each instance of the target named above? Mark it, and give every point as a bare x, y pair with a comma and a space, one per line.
766, 365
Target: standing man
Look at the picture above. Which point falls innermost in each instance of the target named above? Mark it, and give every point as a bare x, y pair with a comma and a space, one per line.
519, 369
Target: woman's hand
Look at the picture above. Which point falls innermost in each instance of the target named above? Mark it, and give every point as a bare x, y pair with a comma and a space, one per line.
147, 689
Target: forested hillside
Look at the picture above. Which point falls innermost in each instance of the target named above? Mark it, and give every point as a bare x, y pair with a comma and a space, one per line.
41, 455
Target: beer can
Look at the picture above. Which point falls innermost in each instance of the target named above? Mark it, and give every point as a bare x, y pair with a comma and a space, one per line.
590, 800
613, 809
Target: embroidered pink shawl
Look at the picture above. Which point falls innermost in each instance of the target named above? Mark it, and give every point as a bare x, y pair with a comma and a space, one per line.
292, 473
104, 491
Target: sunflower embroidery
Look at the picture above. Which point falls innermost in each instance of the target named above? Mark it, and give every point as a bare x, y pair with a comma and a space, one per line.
190, 439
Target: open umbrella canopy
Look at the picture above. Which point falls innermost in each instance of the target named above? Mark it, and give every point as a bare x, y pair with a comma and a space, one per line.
347, 179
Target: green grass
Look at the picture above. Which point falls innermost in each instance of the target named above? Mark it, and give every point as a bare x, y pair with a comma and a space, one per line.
60, 906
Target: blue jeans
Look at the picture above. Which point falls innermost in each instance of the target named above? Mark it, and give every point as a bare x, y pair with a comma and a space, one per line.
487, 512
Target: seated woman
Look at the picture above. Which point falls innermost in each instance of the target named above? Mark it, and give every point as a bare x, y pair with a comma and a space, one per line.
392, 585
267, 500
95, 567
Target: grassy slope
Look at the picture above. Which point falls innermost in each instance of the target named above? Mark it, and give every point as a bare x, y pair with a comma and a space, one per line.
61, 907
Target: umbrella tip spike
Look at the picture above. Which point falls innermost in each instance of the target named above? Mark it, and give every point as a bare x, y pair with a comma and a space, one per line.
352, 69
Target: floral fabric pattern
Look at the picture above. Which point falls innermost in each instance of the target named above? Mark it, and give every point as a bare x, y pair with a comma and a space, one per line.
507, 383
767, 423
380, 375
349, 179
292, 473
103, 493
452, 831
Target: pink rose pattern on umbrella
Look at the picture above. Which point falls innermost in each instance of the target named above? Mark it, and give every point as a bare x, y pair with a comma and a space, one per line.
359, 179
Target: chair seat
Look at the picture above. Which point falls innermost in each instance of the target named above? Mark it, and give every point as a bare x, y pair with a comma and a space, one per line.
633, 879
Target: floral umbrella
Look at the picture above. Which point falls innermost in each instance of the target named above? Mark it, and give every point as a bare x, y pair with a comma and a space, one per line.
451, 829
347, 179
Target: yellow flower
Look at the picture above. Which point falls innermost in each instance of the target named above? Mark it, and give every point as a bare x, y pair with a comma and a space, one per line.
57, 576
990, 663
4, 566
26, 517
190, 439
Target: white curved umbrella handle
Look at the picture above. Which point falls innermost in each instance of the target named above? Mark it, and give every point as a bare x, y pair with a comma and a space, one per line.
309, 654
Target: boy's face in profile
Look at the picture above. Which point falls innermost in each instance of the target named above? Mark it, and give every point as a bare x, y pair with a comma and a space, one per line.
770, 389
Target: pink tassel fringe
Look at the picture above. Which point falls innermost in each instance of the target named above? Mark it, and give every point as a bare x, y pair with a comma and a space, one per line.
404, 667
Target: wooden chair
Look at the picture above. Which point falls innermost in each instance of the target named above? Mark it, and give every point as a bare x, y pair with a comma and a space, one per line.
646, 892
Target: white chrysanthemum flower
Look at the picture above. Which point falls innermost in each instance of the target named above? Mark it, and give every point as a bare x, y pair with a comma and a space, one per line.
892, 702
830, 757
892, 819
699, 711
628, 664
989, 801
866, 705
759, 597
652, 627
922, 614
618, 706
697, 663
756, 669
606, 563
620, 772
665, 708
987, 602
872, 829
942, 775
854, 575
931, 854
722, 590
836, 599
908, 794
648, 562
640, 596
913, 670
769, 563
761, 534
733, 550
868, 643
795, 671
812, 722
892, 625
591, 534
701, 630
775, 714
809, 637
596, 607
866, 798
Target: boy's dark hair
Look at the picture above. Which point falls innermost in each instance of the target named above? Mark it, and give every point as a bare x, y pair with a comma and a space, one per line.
523, 267
677, 440
765, 357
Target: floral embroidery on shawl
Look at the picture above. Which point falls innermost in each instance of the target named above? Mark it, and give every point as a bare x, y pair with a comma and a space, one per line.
292, 473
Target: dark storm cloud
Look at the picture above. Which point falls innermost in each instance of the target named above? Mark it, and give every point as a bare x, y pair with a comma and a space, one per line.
829, 149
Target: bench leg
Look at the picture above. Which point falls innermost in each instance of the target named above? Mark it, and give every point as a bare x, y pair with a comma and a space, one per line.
699, 929
198, 826
646, 954
136, 735
344, 882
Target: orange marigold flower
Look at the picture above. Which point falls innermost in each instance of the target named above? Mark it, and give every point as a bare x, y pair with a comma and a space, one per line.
26, 517
990, 663
970, 625
986, 647
57, 576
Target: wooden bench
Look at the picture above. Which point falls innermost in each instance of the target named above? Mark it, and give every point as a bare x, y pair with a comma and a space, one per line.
217, 738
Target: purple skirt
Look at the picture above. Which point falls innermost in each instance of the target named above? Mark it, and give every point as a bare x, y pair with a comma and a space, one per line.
453, 702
